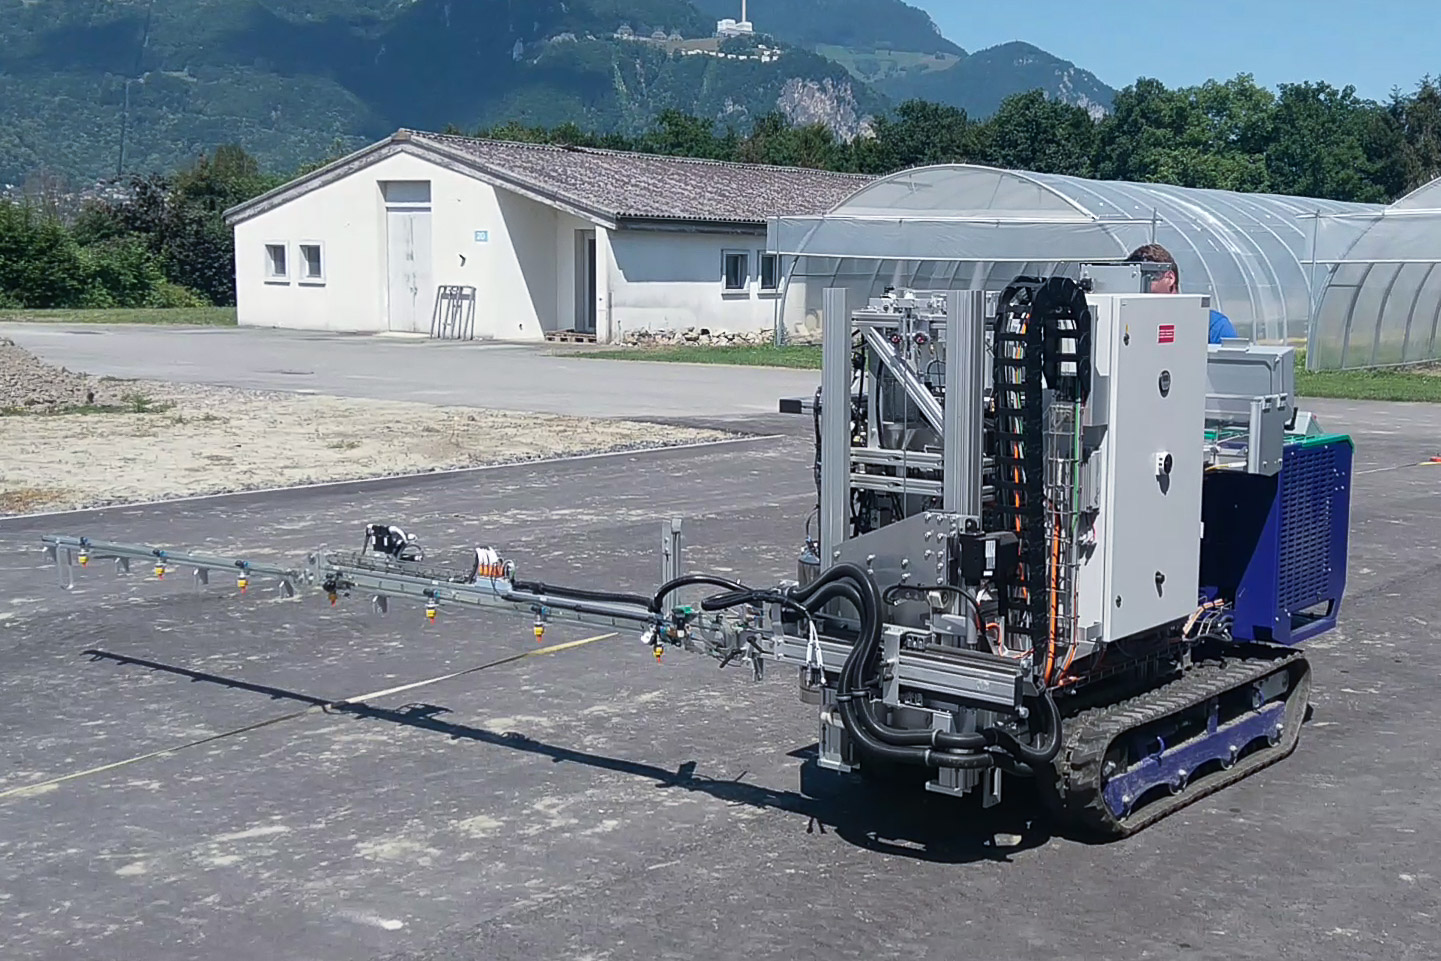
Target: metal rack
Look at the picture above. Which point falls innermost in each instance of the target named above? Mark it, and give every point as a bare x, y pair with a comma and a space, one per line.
454, 315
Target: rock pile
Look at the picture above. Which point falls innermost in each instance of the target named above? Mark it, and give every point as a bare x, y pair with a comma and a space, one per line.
697, 336
29, 384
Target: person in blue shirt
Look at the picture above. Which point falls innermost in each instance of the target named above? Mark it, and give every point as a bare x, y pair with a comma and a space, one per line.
1169, 282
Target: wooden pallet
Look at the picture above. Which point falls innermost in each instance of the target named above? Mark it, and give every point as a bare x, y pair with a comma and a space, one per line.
569, 337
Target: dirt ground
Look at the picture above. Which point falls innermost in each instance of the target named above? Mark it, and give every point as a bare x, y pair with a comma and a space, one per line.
74, 442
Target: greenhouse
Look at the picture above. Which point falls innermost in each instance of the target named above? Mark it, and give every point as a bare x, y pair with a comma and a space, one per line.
1378, 285
970, 227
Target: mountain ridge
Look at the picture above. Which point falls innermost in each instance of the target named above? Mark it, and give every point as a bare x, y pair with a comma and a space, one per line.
972, 83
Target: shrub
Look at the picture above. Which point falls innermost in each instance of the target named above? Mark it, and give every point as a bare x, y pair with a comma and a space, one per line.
123, 272
169, 296
41, 265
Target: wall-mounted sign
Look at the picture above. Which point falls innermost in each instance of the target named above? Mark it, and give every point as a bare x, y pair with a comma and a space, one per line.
482, 236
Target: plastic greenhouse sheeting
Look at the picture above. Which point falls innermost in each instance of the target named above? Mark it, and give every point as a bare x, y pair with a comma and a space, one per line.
1378, 285
971, 227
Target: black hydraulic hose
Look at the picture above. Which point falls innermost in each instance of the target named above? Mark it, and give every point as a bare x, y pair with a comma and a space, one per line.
868, 734
1010, 765
688, 580
845, 592
835, 590
989, 737
859, 719
1036, 757
578, 594
921, 756
816, 409
867, 604
938, 739
719, 602
858, 576
895, 737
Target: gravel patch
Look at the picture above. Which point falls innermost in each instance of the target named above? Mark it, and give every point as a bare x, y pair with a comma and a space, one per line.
29, 385
165, 440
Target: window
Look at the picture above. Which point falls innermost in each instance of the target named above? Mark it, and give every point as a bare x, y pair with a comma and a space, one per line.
737, 270
770, 271
312, 264
405, 191
275, 266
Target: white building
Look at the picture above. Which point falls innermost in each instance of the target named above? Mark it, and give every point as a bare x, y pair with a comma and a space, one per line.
545, 239
736, 28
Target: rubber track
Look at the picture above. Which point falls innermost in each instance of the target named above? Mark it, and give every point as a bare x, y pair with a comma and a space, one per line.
1078, 786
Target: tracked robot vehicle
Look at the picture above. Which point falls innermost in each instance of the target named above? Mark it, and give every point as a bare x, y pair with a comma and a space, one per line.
1058, 538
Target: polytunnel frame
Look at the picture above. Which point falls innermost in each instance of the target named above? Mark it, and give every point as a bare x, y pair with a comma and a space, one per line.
1402, 211
1245, 229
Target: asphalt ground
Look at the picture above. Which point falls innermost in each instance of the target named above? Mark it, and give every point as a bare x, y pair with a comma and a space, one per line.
595, 804
547, 379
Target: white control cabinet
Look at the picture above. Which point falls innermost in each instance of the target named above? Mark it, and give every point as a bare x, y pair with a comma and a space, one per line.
1144, 425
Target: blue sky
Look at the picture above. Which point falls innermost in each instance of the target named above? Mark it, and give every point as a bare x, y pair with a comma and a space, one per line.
1373, 45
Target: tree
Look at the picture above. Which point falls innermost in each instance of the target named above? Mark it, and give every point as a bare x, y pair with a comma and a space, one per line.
1033, 132
1207, 136
181, 219
1417, 122
921, 134
515, 132
1144, 121
1320, 146
769, 142
815, 145
216, 183
681, 135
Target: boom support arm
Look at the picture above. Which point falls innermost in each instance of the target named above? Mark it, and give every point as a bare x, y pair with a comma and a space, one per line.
490, 584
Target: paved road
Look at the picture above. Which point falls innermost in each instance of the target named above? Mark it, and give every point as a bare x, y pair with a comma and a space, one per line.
597, 804
501, 377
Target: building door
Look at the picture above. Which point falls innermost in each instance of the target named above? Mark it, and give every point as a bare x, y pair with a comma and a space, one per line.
411, 289
585, 289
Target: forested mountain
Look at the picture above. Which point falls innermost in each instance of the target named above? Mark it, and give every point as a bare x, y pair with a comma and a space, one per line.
978, 83
92, 87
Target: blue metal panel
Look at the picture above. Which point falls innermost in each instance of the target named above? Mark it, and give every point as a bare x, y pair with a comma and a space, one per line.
1276, 547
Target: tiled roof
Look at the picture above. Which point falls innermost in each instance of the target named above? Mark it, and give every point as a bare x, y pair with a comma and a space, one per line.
623, 186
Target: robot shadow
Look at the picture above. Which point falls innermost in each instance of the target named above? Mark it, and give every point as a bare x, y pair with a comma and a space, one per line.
899, 820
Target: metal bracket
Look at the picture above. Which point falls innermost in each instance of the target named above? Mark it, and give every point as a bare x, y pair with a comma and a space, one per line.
62, 567
670, 556
991, 784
